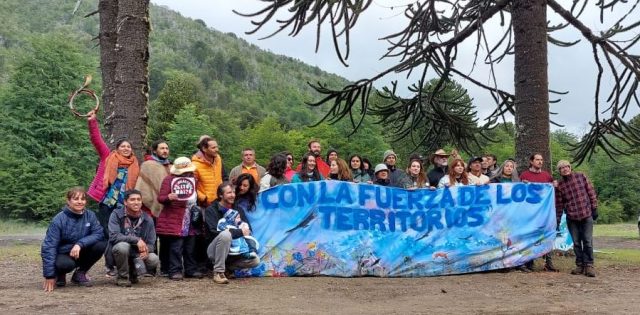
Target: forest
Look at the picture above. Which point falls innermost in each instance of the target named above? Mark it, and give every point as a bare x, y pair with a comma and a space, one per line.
202, 81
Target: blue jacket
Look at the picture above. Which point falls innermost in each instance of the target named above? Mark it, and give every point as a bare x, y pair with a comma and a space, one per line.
67, 229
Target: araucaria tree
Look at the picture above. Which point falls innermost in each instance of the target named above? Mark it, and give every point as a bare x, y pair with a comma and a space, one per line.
124, 59
429, 44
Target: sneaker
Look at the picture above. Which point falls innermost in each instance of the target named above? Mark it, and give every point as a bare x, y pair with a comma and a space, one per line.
80, 278
219, 278
61, 280
197, 275
123, 282
176, 277
579, 270
111, 272
589, 271
550, 267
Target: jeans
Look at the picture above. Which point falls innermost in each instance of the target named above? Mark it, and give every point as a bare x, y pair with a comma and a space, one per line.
124, 253
88, 257
218, 252
582, 235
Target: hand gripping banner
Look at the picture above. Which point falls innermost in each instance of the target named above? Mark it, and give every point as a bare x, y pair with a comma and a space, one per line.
345, 229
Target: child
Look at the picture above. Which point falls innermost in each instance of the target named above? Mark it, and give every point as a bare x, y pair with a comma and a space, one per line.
246, 246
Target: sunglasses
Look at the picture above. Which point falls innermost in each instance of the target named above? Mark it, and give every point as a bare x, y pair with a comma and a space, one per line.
289, 159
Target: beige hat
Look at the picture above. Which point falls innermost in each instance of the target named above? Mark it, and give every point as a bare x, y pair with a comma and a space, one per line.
563, 163
182, 165
441, 152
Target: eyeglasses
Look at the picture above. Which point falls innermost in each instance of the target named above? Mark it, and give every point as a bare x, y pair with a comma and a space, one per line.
289, 159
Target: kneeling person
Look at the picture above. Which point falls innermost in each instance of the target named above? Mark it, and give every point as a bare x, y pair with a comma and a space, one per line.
132, 237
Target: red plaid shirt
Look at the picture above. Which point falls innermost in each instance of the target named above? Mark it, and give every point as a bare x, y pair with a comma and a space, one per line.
576, 196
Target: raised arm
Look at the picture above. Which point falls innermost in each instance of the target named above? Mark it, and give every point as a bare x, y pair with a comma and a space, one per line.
96, 137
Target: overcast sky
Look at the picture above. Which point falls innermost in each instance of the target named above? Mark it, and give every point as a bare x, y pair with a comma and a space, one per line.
570, 69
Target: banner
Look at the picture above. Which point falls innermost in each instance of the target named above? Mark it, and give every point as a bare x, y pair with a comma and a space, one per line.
345, 229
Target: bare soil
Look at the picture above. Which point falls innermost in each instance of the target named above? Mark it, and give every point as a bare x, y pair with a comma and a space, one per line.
615, 290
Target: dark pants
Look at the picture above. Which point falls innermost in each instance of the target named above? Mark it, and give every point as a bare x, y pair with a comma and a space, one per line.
88, 257
104, 212
582, 235
176, 251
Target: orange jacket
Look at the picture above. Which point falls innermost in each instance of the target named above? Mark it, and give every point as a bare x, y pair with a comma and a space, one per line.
208, 177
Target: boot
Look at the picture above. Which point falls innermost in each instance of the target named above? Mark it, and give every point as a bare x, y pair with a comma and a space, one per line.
123, 282
578, 271
589, 271
219, 278
80, 278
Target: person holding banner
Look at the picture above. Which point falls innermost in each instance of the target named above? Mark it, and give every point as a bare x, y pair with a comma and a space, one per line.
535, 174
220, 241
360, 175
416, 176
308, 170
177, 223
506, 173
381, 174
577, 198
340, 171
440, 161
457, 175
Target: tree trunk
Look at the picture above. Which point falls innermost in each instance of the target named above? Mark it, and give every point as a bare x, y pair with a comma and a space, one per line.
131, 81
529, 18
108, 19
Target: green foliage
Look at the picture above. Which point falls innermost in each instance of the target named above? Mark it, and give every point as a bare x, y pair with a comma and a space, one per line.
184, 132
610, 211
267, 138
179, 90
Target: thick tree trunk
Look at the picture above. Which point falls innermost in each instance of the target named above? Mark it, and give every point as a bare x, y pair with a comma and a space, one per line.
108, 19
131, 83
529, 19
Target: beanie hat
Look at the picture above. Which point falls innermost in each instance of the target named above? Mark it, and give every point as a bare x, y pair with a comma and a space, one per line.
387, 154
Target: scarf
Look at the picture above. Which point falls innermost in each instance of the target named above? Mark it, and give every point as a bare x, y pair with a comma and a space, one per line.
116, 160
132, 214
159, 160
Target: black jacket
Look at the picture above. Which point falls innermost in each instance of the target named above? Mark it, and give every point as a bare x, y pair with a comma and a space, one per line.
435, 174
212, 214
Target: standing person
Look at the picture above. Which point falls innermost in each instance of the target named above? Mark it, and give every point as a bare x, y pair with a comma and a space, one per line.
276, 171
332, 155
340, 171
577, 198
440, 161
397, 177
358, 171
132, 237
506, 173
246, 192
535, 174
209, 171
457, 175
489, 164
315, 149
416, 176
153, 170
248, 166
381, 175
289, 171
308, 170
74, 242
368, 167
220, 241
176, 228
475, 171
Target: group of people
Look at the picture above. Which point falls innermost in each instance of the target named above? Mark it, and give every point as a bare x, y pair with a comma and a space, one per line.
197, 211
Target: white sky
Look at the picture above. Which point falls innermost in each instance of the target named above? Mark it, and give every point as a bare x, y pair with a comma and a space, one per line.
570, 69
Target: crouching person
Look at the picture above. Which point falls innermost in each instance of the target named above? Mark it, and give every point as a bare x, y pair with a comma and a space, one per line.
132, 237
220, 241
74, 242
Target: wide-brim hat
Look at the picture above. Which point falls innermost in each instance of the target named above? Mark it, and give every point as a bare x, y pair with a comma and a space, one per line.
182, 165
380, 167
439, 152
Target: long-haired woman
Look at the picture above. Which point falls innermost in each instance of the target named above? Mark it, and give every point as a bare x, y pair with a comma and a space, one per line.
457, 175
339, 170
246, 191
506, 173
308, 170
416, 175
276, 172
360, 175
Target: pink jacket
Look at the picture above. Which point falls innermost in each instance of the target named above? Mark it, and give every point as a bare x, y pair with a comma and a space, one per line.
96, 189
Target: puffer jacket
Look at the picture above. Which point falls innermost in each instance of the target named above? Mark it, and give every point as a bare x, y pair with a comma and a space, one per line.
208, 177
170, 220
66, 230
97, 190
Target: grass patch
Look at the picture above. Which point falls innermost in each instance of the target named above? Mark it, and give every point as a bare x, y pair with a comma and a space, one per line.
27, 253
10, 227
618, 256
624, 230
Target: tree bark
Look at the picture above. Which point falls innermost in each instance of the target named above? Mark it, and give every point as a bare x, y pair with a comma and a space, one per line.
529, 18
108, 19
131, 82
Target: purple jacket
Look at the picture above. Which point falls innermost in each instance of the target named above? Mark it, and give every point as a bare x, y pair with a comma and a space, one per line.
96, 189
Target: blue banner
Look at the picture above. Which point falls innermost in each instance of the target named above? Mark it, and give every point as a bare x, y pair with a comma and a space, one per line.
345, 229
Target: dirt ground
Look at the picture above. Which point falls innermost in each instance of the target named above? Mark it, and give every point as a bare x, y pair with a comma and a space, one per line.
616, 290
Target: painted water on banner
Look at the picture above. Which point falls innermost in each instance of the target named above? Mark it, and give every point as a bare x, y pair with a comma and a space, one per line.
344, 229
